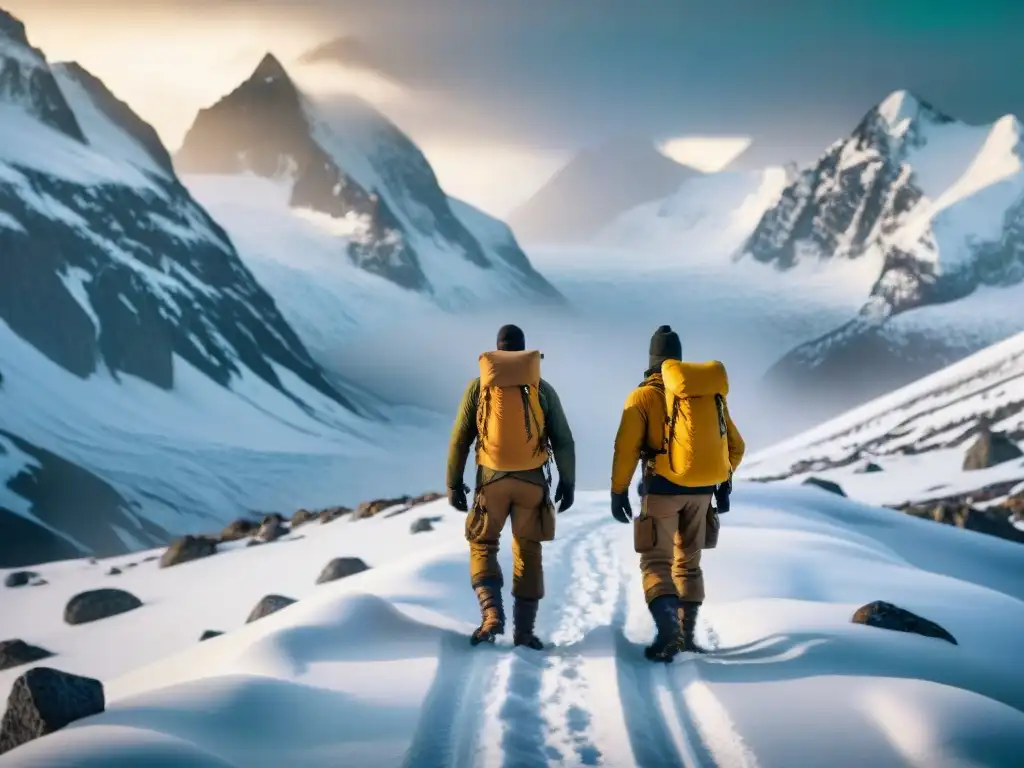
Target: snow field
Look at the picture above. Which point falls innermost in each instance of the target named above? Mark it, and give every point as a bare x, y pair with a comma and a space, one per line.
377, 669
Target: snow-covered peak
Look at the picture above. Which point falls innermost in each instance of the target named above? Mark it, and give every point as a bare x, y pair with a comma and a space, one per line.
899, 109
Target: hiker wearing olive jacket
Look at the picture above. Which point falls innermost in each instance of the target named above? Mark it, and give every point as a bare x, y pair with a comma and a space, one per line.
517, 422
677, 421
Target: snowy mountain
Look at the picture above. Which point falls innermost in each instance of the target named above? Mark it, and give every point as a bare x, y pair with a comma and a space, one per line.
917, 437
146, 375
376, 669
597, 185
932, 206
343, 159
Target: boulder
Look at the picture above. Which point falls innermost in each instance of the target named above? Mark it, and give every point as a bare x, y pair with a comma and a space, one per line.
340, 567
302, 517
271, 529
99, 604
990, 448
425, 498
825, 485
151, 558
208, 634
267, 605
422, 525
14, 653
19, 578
375, 507
238, 529
44, 700
186, 549
331, 514
888, 616
869, 468
115, 571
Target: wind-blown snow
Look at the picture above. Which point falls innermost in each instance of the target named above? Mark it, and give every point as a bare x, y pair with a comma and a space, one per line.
377, 669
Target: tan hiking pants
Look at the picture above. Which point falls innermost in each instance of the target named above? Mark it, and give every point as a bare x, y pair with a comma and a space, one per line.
672, 565
495, 502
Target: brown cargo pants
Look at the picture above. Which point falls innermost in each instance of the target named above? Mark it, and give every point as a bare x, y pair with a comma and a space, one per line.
672, 566
495, 502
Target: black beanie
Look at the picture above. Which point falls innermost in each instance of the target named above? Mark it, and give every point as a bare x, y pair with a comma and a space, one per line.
511, 339
665, 345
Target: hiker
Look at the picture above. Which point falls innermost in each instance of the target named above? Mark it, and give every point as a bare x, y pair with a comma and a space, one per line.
677, 423
517, 421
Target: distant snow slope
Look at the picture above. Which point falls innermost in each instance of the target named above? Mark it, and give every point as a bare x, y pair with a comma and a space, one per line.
596, 186
936, 208
917, 434
343, 159
150, 384
376, 670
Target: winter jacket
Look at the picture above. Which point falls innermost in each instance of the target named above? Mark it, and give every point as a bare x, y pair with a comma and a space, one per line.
642, 431
464, 434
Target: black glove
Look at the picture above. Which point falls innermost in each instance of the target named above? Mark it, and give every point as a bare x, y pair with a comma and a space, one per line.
722, 493
565, 493
621, 510
457, 498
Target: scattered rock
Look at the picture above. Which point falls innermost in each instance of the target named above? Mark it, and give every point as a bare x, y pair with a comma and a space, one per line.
340, 567
422, 525
208, 634
44, 700
188, 548
994, 521
238, 529
888, 616
426, 498
39, 583
991, 448
19, 578
869, 468
375, 507
114, 571
825, 485
302, 517
93, 561
131, 565
271, 529
99, 604
151, 558
267, 605
14, 653
331, 514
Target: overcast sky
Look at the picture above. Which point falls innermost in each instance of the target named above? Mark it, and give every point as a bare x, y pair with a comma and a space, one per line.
499, 91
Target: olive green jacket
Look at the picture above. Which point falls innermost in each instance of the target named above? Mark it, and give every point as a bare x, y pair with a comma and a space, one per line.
464, 434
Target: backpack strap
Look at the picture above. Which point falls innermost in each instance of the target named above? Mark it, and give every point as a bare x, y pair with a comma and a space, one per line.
720, 405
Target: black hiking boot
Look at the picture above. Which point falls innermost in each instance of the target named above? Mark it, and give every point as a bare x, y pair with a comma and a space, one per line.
492, 614
524, 616
665, 610
688, 610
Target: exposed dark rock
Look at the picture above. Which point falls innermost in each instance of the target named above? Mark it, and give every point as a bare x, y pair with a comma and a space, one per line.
888, 616
375, 507
425, 498
341, 567
422, 525
267, 605
825, 485
14, 653
44, 700
993, 521
271, 529
239, 529
990, 449
208, 634
19, 578
114, 571
302, 517
869, 468
150, 558
331, 514
97, 604
188, 548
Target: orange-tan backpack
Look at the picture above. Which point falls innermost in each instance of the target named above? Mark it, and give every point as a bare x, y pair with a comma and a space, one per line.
511, 434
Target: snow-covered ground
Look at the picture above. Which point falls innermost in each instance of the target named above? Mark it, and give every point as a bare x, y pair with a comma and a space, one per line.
377, 670
917, 434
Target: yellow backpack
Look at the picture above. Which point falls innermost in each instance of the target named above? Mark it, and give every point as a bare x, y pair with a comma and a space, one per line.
696, 448
511, 434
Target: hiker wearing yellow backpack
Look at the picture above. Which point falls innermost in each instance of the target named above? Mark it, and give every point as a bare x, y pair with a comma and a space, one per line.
677, 423
517, 421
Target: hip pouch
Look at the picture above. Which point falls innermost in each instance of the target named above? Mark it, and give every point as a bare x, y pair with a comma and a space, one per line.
476, 520
535, 525
711, 529
645, 531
